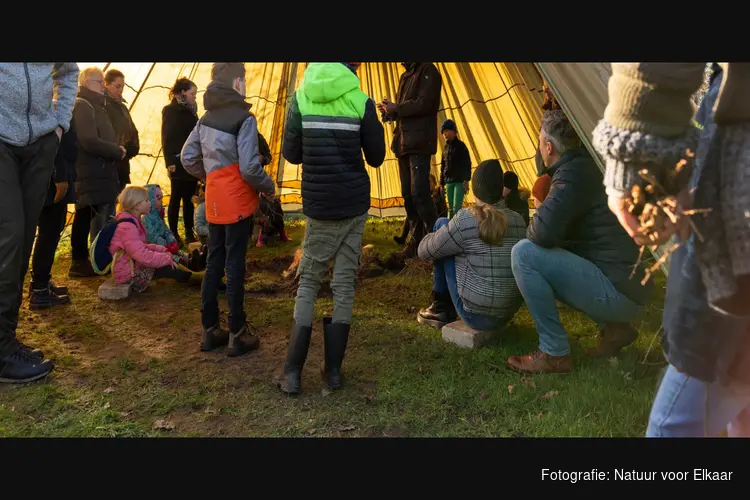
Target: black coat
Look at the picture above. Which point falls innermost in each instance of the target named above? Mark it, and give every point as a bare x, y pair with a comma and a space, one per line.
575, 216
455, 165
418, 101
127, 135
177, 121
65, 168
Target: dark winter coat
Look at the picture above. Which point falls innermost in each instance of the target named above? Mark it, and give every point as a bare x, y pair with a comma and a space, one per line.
177, 121
455, 165
127, 135
417, 113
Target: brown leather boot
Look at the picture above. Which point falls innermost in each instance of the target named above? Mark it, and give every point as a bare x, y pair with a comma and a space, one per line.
612, 339
541, 362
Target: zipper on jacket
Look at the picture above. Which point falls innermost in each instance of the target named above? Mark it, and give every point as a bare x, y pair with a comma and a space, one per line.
28, 107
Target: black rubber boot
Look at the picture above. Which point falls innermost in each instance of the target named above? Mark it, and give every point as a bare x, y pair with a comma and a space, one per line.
335, 338
440, 313
213, 338
242, 342
299, 343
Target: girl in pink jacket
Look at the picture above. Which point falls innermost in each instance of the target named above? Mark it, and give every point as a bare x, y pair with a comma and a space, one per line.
136, 262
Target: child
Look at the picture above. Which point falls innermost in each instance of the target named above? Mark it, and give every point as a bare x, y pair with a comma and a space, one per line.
438, 198
455, 171
222, 150
136, 262
471, 255
201, 225
270, 219
515, 199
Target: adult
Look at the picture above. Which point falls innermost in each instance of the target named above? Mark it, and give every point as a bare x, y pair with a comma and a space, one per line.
647, 125
35, 110
97, 181
330, 123
415, 142
514, 199
178, 118
119, 114
576, 252
471, 254
61, 193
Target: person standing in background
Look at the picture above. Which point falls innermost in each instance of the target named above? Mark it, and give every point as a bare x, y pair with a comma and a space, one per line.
455, 167
119, 115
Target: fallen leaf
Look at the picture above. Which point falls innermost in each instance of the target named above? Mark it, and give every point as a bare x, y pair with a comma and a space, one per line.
163, 425
325, 392
347, 428
550, 395
528, 382
510, 389
109, 390
540, 415
484, 395
613, 361
106, 405
312, 431
420, 369
125, 413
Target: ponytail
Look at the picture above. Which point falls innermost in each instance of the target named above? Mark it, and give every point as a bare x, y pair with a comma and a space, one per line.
492, 223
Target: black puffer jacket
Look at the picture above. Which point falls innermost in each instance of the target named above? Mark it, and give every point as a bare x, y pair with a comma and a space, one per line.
177, 121
99, 151
575, 216
455, 165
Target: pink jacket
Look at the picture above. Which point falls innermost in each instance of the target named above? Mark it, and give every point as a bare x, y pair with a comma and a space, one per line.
132, 239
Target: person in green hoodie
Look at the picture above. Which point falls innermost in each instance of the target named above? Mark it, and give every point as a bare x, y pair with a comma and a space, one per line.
330, 123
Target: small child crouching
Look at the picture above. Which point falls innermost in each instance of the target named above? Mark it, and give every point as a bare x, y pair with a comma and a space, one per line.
270, 221
136, 262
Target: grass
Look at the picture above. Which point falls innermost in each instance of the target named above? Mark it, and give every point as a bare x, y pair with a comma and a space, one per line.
134, 369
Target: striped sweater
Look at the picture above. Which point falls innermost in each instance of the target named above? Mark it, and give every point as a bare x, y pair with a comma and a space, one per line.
485, 280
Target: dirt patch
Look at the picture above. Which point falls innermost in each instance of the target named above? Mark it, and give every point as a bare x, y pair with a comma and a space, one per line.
275, 264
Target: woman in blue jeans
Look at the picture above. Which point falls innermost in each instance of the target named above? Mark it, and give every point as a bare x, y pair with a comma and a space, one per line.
471, 253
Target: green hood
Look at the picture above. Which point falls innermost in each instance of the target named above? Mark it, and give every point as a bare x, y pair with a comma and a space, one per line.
326, 82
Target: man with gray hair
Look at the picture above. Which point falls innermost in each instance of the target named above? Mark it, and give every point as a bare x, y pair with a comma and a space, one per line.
35, 110
575, 252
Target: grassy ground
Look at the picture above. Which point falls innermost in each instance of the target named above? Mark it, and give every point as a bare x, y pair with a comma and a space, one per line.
133, 368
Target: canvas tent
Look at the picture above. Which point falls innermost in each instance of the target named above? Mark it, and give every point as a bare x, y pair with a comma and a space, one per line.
495, 105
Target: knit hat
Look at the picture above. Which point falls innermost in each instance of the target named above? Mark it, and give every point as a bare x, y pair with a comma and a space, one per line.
448, 125
487, 182
510, 180
541, 187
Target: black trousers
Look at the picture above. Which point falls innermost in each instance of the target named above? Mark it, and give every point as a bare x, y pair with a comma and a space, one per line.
50, 227
415, 189
182, 191
227, 248
87, 223
25, 173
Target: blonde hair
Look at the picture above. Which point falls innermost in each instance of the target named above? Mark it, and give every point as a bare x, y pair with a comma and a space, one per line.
130, 197
492, 223
85, 75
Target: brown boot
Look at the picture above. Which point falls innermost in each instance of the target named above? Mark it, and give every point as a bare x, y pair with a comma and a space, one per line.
612, 339
541, 362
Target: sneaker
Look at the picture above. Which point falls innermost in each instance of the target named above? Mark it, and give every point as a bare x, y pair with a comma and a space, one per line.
242, 342
20, 367
45, 298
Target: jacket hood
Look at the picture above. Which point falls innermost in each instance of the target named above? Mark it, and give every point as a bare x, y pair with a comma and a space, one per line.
152, 191
326, 82
220, 96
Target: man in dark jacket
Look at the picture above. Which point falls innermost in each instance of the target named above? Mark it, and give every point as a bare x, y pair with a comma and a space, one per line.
576, 252
329, 124
415, 142
455, 167
35, 110
114, 82
44, 293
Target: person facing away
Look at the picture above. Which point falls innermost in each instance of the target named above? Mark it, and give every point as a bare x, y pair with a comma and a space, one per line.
576, 252
134, 261
119, 114
97, 181
329, 124
178, 118
222, 150
455, 167
471, 256
514, 198
35, 110
414, 142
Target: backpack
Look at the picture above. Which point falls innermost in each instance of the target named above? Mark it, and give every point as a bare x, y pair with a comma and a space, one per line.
99, 254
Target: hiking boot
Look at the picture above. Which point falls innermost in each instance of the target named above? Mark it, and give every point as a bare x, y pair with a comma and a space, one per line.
299, 343
20, 366
541, 362
44, 299
58, 290
213, 338
81, 269
612, 339
335, 338
37, 353
242, 342
440, 313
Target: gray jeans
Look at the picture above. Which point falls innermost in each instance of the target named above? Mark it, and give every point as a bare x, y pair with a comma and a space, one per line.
326, 240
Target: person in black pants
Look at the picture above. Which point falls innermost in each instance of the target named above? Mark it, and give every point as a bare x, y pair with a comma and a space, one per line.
44, 293
178, 119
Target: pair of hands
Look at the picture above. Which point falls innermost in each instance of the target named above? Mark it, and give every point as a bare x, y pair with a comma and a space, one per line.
387, 107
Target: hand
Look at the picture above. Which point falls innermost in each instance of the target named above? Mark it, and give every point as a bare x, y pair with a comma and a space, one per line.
173, 264
389, 107
632, 223
172, 168
61, 188
59, 132
122, 148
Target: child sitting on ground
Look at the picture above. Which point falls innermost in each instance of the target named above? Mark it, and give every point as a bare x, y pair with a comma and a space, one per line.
157, 232
270, 221
201, 224
136, 262
438, 198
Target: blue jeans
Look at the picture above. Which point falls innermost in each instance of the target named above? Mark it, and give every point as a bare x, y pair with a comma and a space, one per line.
444, 280
544, 275
688, 407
